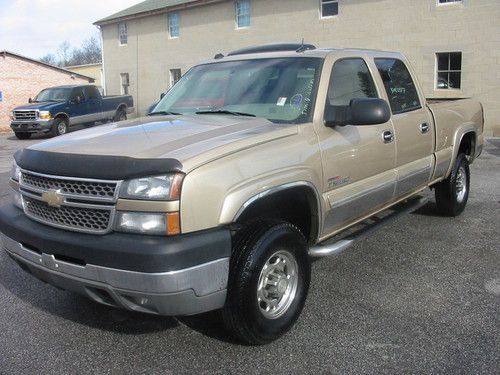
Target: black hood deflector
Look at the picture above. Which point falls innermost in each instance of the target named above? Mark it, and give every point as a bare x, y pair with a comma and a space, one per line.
103, 167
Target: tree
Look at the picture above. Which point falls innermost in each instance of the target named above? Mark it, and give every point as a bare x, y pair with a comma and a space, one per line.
49, 58
64, 53
89, 53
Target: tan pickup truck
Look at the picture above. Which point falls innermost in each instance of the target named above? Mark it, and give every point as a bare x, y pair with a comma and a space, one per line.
252, 164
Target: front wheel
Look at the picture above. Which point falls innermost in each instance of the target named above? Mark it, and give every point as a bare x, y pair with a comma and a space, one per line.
20, 135
452, 194
59, 127
268, 282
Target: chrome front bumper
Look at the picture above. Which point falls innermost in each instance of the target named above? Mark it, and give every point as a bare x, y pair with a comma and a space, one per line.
184, 292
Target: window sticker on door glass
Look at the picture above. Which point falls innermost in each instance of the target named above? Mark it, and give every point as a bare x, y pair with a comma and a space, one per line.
296, 101
281, 101
398, 90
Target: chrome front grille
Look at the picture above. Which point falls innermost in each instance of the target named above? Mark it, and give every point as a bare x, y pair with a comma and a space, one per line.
83, 205
83, 188
24, 115
83, 219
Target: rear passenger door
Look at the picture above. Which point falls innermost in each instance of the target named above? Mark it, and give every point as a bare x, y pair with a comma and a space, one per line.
358, 165
413, 126
93, 105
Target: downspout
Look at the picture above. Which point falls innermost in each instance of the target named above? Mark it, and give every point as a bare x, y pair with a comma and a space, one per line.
103, 74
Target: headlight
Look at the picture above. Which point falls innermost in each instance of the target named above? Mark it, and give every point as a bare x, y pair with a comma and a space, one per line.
15, 172
44, 115
167, 187
12, 116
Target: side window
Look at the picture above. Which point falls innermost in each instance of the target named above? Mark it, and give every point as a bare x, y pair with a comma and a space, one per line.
78, 92
400, 88
90, 92
350, 79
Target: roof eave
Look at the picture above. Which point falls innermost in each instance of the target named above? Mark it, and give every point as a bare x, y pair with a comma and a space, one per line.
109, 21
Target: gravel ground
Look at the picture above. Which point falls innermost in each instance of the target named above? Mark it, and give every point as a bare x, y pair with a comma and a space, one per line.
421, 296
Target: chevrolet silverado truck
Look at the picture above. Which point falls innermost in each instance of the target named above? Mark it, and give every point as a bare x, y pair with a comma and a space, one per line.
253, 164
55, 109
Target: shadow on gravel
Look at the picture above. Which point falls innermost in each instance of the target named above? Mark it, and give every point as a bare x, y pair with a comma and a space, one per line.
429, 209
209, 324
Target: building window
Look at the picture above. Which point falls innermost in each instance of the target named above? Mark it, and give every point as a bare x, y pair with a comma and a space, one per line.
448, 70
124, 83
329, 8
175, 75
242, 13
122, 34
173, 25
448, 1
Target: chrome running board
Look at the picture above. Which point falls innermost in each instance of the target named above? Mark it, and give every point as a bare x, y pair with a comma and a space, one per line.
337, 244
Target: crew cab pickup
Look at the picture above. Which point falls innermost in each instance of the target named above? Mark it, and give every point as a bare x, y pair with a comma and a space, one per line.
55, 109
251, 165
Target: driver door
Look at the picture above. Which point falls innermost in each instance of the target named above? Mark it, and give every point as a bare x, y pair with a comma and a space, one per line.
358, 164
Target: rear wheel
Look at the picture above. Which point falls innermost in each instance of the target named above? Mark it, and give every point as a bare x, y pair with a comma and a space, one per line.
59, 127
20, 135
452, 194
268, 282
120, 115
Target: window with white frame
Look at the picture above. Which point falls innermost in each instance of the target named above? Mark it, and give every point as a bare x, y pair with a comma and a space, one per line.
175, 75
448, 70
122, 34
448, 1
124, 83
242, 13
328, 8
173, 25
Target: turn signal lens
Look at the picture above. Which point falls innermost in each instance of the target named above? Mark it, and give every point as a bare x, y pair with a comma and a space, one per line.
173, 223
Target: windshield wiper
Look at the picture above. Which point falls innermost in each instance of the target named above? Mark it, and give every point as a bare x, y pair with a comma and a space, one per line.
164, 113
225, 112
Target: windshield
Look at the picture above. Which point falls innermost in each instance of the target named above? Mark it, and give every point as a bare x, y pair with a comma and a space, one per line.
53, 94
281, 89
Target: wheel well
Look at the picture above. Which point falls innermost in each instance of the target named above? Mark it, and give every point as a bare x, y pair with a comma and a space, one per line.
63, 116
296, 205
121, 107
467, 144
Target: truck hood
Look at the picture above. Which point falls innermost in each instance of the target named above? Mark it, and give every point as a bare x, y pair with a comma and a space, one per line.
192, 140
45, 106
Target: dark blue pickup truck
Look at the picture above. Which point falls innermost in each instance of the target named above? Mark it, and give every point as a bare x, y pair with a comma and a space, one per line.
55, 109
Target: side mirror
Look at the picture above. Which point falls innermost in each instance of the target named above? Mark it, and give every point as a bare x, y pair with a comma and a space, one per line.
30, 100
360, 111
162, 95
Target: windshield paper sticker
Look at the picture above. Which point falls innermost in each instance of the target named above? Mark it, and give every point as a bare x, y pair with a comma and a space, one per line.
281, 101
296, 101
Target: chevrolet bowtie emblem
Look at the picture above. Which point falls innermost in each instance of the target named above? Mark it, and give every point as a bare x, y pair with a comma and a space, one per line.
53, 198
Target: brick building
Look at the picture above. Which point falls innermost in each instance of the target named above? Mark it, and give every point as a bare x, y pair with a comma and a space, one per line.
453, 45
22, 78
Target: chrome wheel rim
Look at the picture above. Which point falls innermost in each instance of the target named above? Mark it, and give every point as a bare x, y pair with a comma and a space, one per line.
461, 184
61, 128
277, 286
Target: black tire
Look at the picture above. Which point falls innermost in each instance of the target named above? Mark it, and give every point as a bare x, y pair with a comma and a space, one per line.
254, 247
59, 127
451, 198
23, 135
120, 115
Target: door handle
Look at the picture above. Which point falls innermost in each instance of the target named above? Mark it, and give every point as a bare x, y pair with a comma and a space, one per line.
424, 128
387, 136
